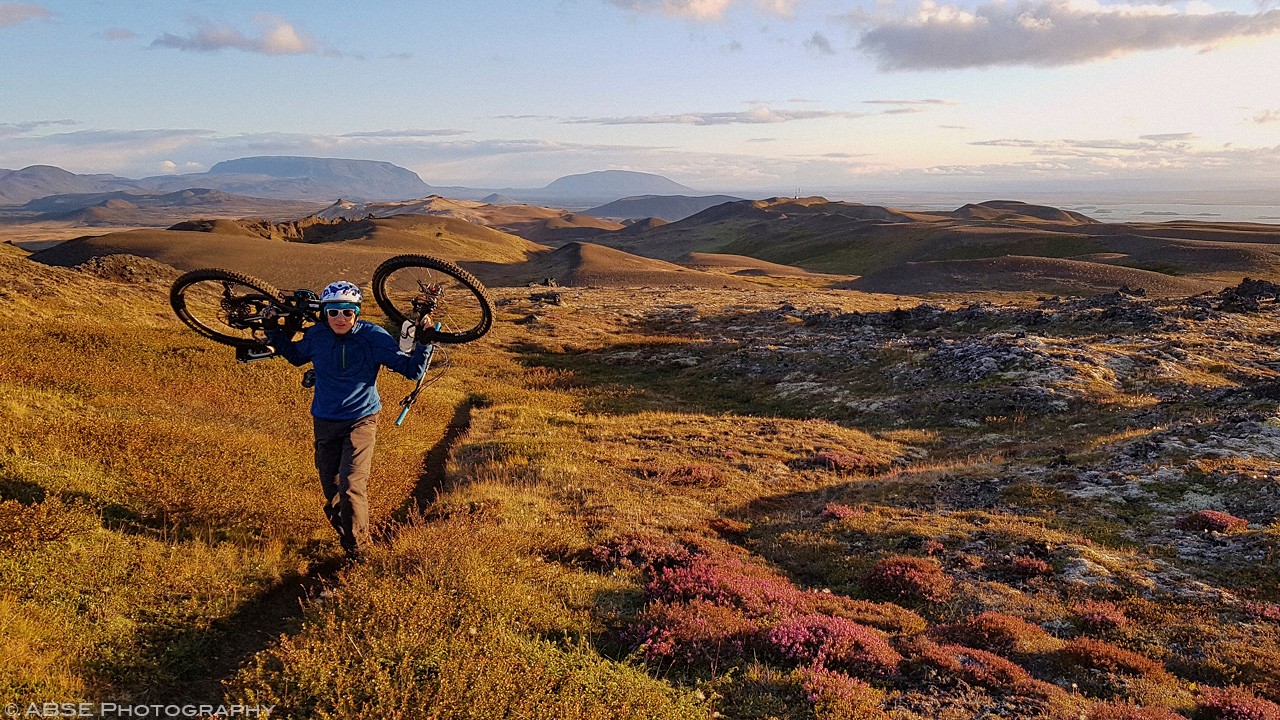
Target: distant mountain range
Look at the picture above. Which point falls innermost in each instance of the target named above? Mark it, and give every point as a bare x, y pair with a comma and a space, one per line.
326, 180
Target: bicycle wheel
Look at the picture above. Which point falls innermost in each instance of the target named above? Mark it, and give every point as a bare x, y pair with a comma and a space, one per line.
407, 286
223, 305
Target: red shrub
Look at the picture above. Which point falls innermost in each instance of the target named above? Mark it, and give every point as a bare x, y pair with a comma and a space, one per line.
976, 667
1213, 520
1029, 567
846, 461
908, 578
833, 643
998, 633
686, 475
836, 511
1234, 704
692, 634
836, 695
1100, 616
1125, 711
1099, 655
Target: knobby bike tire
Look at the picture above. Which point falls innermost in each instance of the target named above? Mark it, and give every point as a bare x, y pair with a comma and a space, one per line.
266, 293
465, 313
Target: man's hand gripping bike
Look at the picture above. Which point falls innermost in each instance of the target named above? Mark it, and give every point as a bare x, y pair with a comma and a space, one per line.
237, 309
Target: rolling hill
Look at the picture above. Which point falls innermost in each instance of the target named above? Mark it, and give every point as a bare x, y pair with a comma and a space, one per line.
313, 252
532, 222
849, 238
587, 264
665, 207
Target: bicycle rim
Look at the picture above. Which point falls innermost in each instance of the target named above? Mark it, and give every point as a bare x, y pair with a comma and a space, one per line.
222, 305
402, 283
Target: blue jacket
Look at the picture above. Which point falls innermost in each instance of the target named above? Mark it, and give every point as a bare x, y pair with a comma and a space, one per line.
347, 366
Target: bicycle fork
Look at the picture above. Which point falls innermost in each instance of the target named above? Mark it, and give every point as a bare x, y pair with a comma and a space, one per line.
412, 397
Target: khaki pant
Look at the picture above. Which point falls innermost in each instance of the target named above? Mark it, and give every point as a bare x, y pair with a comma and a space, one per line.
344, 455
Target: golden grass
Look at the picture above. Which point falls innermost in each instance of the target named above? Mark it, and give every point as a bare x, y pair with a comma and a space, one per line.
158, 493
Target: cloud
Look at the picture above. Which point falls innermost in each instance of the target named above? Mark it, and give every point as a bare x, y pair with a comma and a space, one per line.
410, 133
820, 44
782, 8
754, 116
703, 9
1045, 33
119, 34
24, 128
16, 13
278, 37
1267, 116
926, 101
689, 9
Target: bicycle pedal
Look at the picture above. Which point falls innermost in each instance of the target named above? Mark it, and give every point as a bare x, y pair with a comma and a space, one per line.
257, 352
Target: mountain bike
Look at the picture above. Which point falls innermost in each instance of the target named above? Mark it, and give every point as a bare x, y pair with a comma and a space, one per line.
238, 309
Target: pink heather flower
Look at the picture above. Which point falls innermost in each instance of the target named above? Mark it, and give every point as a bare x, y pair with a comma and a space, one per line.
908, 578
697, 633
833, 643
726, 581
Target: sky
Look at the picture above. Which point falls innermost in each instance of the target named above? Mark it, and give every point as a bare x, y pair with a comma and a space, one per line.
720, 95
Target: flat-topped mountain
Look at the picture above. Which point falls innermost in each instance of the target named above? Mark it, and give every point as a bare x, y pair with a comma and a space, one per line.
615, 183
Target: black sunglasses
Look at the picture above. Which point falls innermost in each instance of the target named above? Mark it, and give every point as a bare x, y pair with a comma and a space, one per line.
345, 312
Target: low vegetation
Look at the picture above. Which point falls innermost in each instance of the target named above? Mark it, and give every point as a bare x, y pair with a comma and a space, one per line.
770, 503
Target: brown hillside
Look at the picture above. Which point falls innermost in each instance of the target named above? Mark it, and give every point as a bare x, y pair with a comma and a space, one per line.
582, 264
236, 246
532, 222
1019, 211
1023, 274
741, 265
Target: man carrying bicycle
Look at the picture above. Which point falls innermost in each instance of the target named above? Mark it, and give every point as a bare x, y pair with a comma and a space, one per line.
346, 354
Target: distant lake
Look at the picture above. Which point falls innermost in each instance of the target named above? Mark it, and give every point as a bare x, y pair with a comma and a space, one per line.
1109, 212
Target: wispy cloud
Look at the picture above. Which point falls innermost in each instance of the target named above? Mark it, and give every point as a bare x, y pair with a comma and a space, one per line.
690, 9
23, 128
408, 133
1045, 33
754, 116
277, 37
924, 101
15, 13
820, 44
1267, 116
703, 10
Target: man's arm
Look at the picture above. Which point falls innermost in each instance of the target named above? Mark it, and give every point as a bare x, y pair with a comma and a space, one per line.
297, 353
410, 365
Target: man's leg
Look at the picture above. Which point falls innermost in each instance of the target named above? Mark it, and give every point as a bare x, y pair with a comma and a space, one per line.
357, 460
331, 437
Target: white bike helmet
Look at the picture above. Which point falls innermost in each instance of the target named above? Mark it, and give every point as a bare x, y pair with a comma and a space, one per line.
341, 292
